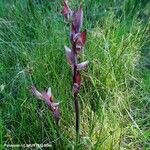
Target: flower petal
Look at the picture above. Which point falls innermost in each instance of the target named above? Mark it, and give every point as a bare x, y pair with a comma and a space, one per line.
36, 92
78, 18
66, 8
72, 33
79, 41
45, 96
66, 12
54, 104
49, 92
82, 65
70, 55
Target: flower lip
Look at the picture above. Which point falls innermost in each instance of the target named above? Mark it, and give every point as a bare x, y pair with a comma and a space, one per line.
78, 40
78, 46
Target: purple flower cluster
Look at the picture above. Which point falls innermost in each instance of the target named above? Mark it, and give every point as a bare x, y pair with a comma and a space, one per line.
77, 40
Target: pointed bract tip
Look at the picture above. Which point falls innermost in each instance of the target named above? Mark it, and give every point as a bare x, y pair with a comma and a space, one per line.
69, 55
49, 92
36, 92
55, 104
67, 49
66, 9
82, 65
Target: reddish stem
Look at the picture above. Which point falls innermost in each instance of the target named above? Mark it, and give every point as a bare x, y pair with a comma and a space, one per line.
76, 102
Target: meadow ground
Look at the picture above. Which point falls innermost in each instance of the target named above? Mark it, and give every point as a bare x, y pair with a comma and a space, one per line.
115, 93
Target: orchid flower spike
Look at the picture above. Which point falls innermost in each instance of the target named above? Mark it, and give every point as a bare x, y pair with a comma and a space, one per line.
75, 15
48, 98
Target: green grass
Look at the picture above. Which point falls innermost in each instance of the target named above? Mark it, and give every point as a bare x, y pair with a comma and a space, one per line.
115, 92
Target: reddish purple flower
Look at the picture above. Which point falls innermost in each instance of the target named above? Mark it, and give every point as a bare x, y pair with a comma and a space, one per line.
76, 81
75, 15
82, 65
48, 98
66, 12
71, 59
77, 76
78, 40
70, 56
78, 19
